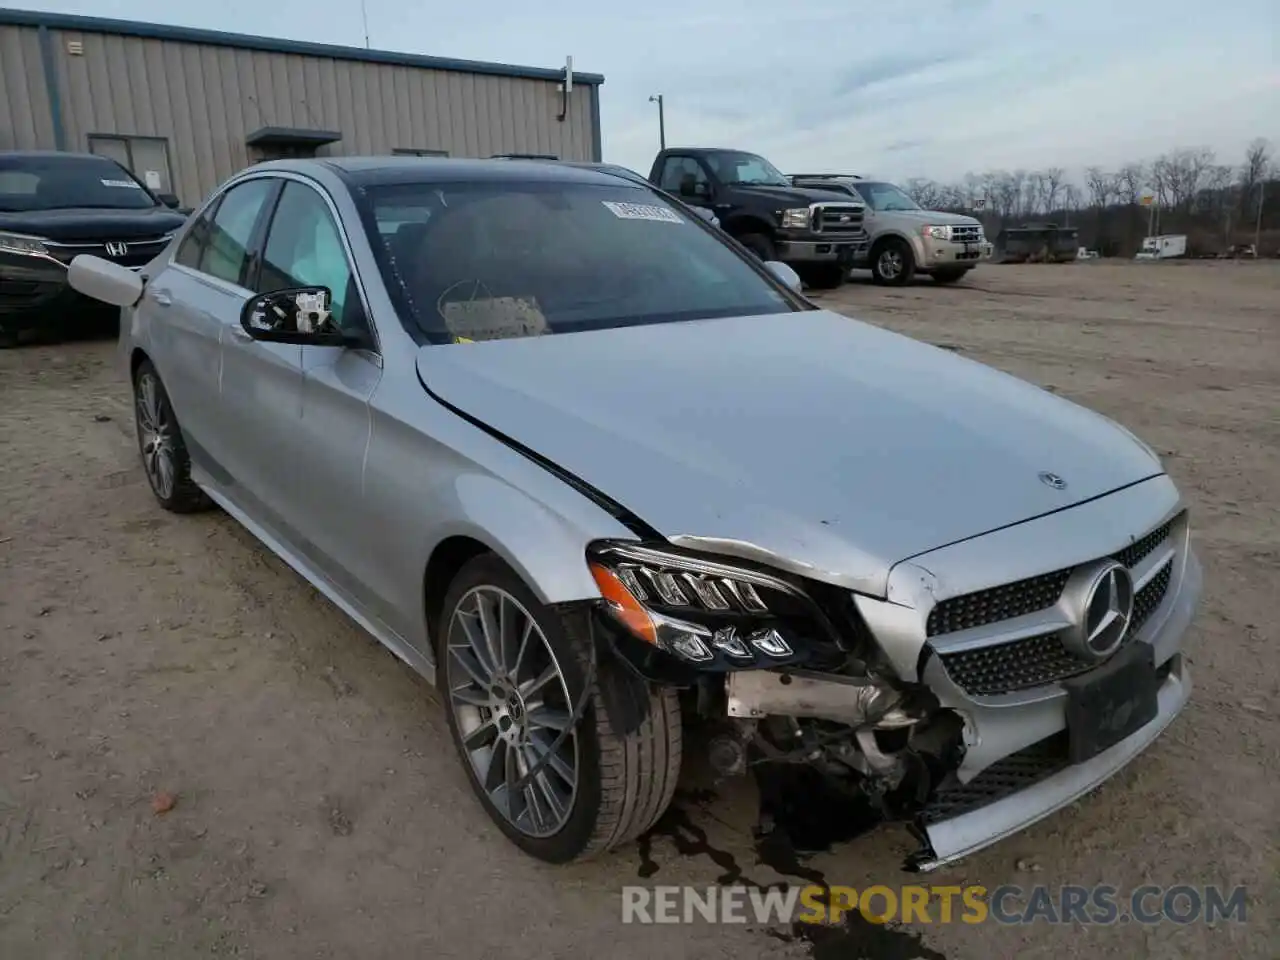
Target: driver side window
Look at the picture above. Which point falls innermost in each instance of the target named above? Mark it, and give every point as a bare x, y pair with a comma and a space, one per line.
677, 171
305, 249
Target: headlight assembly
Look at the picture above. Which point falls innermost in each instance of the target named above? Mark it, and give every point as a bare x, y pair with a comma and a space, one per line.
22, 245
796, 218
938, 233
709, 614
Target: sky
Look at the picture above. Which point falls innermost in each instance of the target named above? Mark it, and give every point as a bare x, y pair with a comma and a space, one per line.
931, 89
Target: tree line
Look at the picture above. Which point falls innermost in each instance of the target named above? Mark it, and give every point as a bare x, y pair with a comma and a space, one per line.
1215, 204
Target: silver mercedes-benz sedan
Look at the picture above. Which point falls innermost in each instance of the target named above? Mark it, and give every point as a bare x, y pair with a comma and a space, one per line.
603, 476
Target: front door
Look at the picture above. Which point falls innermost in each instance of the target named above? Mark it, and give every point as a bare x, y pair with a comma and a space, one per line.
324, 513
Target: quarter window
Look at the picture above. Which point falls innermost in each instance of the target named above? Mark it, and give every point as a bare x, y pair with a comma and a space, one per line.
225, 250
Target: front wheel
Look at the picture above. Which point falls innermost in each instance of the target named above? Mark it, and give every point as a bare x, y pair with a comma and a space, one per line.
759, 244
512, 673
892, 263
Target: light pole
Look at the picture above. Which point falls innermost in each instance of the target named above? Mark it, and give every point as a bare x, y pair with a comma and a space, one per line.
662, 122
1257, 224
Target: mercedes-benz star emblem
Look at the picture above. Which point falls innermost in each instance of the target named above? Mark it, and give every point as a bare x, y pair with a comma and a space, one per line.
1053, 480
1102, 598
117, 249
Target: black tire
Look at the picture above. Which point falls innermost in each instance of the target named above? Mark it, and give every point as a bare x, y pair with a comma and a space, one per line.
825, 276
182, 495
759, 244
948, 276
892, 262
625, 779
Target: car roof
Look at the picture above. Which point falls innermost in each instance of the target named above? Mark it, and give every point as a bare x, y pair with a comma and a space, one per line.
369, 171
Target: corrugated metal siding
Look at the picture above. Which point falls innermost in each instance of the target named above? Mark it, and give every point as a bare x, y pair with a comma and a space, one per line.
207, 99
26, 122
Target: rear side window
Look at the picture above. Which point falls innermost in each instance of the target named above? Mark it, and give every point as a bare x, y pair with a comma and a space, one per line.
225, 249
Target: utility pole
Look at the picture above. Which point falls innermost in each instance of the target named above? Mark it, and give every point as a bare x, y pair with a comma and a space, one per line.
364, 16
662, 122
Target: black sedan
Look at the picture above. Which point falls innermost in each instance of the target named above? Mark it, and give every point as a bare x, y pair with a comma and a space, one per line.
54, 206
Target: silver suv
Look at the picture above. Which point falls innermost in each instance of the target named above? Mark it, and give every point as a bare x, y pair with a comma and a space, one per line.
906, 239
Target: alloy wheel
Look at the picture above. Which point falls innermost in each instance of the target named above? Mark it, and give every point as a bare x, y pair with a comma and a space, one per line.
511, 703
155, 436
890, 264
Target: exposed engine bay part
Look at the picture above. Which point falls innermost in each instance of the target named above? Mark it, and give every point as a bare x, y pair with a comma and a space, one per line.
855, 701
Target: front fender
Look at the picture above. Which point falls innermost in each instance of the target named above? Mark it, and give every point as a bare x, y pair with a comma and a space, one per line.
547, 550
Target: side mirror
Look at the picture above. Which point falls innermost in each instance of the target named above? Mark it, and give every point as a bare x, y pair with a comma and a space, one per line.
170, 200
784, 273
104, 280
690, 187
299, 315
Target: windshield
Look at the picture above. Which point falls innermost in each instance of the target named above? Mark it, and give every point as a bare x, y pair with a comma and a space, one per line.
735, 167
60, 182
505, 259
885, 196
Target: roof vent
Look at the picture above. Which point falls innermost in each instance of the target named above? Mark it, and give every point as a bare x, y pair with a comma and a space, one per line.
75, 48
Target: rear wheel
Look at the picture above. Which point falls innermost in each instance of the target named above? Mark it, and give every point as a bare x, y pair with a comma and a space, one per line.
512, 673
948, 276
164, 452
892, 263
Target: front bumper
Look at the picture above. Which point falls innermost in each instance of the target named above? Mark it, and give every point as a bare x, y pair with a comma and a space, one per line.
1015, 768
946, 253
34, 294
839, 251
960, 836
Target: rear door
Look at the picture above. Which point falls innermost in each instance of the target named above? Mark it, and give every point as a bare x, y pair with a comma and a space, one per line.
191, 304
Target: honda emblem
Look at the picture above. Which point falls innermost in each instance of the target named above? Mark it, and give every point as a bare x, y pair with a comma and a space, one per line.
117, 248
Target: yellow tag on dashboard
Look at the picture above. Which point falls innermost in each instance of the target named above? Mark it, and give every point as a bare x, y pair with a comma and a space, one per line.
463, 340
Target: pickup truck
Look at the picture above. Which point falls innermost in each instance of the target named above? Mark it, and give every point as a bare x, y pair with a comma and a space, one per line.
906, 239
818, 232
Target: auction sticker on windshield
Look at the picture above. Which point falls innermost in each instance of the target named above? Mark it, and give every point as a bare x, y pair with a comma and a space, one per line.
122, 183
641, 211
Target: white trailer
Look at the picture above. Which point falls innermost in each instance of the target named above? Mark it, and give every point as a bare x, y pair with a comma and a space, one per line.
1163, 247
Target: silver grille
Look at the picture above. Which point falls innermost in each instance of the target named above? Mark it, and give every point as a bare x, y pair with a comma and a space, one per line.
842, 218
966, 233
991, 669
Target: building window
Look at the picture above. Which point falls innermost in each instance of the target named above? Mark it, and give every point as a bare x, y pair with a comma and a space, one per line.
415, 152
146, 157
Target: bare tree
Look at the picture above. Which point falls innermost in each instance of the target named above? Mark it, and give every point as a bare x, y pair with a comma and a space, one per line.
1101, 186
1051, 181
1255, 170
924, 192
1129, 181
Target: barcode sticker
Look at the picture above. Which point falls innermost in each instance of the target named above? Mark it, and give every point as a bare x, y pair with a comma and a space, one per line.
641, 211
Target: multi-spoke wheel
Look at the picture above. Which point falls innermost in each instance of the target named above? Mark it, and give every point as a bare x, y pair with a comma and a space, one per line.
513, 709
892, 262
512, 672
164, 454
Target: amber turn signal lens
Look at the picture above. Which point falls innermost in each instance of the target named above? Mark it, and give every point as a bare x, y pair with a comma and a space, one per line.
624, 607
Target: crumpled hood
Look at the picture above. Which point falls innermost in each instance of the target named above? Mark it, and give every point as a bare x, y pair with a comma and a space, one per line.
821, 444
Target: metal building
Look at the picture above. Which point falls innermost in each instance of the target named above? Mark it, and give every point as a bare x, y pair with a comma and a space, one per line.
184, 108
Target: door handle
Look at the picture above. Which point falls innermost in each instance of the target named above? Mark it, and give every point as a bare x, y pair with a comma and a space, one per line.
162, 297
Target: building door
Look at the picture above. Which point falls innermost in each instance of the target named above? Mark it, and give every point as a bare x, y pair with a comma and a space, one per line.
147, 158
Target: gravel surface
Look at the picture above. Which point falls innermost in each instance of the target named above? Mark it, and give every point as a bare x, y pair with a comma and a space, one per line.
200, 756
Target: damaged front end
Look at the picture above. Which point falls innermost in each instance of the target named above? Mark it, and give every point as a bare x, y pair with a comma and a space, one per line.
779, 671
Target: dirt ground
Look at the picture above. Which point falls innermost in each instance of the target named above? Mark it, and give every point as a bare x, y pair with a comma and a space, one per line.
318, 810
